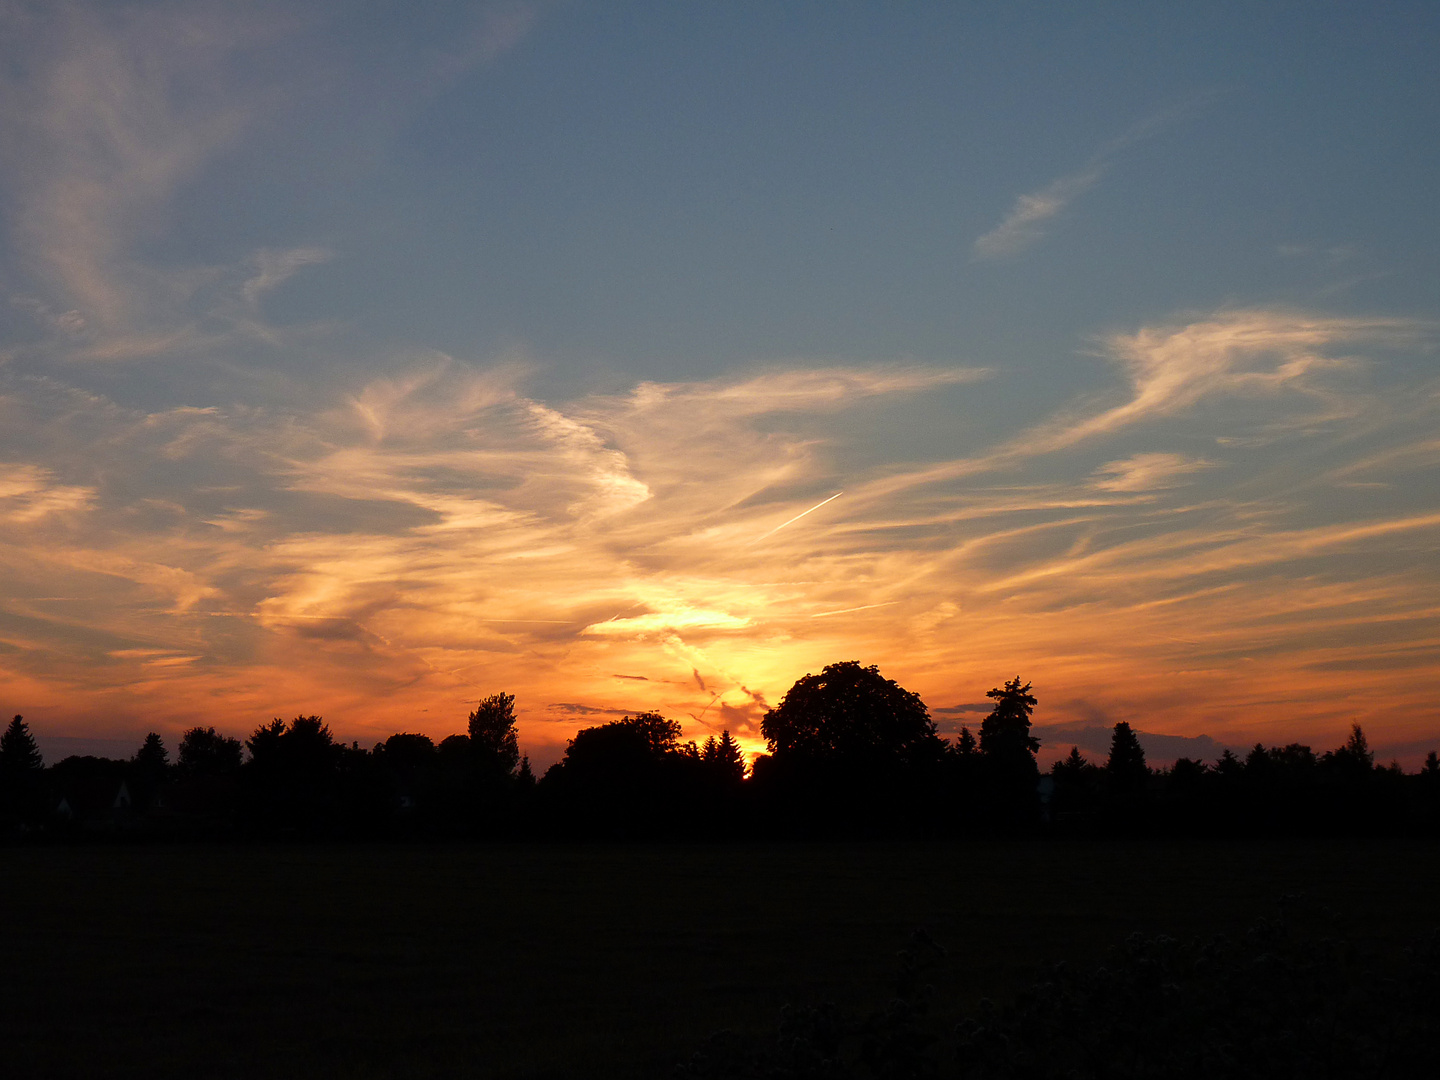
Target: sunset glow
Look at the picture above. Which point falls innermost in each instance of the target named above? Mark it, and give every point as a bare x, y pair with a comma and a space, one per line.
262, 453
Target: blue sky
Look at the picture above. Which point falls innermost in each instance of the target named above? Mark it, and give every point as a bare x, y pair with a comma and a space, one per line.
364, 361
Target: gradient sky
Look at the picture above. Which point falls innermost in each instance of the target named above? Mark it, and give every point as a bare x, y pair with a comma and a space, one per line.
366, 358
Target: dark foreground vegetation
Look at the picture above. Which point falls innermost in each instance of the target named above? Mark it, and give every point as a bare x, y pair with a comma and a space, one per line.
1286, 1000
851, 754
606, 960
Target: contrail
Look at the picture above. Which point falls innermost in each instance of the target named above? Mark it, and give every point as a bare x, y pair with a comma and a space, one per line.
797, 517
845, 611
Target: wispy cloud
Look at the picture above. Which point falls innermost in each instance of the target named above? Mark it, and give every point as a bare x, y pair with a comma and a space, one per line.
29, 492
1024, 225
1147, 472
438, 533
273, 268
116, 110
123, 106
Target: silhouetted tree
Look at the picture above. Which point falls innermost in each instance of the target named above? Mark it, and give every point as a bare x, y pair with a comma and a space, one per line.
19, 755
1126, 766
310, 748
1005, 733
205, 752
1187, 774
152, 759
1353, 761
1257, 761
855, 713
850, 752
21, 774
1228, 772
626, 777
204, 791
292, 772
723, 758
305, 744
405, 753
493, 739
266, 746
1072, 766
1007, 750
621, 747
454, 748
148, 771
965, 744
660, 735
1295, 760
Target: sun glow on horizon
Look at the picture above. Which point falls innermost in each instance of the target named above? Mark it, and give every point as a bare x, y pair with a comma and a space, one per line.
453, 377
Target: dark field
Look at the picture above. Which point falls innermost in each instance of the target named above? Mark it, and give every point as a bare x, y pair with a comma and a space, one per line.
540, 961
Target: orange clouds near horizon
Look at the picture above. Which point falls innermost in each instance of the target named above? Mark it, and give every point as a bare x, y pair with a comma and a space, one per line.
1236, 538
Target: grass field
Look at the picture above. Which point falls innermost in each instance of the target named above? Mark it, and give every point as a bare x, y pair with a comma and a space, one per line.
373, 961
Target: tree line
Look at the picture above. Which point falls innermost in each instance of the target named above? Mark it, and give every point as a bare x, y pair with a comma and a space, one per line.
849, 753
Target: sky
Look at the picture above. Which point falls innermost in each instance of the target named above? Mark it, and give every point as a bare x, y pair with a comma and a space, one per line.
365, 359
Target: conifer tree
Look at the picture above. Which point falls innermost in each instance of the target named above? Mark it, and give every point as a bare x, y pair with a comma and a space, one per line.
1072, 766
19, 756
727, 759
21, 770
1126, 765
526, 775
1005, 733
152, 759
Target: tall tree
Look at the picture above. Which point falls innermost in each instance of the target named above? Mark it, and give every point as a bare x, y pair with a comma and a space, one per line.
22, 772
723, 758
1126, 766
1353, 761
148, 769
152, 758
1008, 771
1005, 733
493, 739
19, 755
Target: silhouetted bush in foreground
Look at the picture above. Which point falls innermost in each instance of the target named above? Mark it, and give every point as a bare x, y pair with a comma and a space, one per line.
1276, 1002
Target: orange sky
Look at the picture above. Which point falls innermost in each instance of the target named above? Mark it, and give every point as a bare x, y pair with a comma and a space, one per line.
670, 547
369, 366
